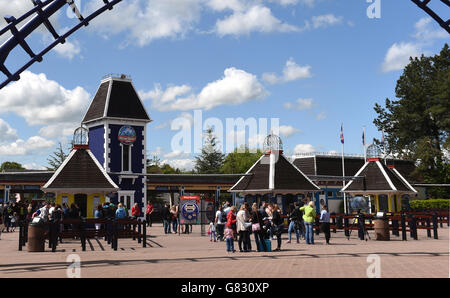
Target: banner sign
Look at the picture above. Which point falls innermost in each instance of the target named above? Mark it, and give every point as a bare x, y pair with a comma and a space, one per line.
127, 135
190, 210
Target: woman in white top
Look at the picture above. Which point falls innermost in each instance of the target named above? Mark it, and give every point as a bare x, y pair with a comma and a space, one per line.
325, 223
244, 236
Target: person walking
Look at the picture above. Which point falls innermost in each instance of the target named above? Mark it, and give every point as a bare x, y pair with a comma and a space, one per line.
148, 213
294, 222
165, 215
309, 218
220, 225
278, 225
241, 227
212, 232
325, 223
256, 218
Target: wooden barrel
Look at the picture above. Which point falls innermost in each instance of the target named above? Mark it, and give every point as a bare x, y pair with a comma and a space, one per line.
381, 227
36, 238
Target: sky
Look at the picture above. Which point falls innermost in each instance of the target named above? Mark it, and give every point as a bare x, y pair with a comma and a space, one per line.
309, 64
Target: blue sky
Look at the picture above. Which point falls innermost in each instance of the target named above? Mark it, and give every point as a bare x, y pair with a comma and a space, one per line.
311, 63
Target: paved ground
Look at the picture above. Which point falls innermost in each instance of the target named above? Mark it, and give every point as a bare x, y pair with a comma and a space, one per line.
196, 257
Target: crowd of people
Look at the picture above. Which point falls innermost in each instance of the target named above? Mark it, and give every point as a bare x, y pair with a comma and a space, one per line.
266, 223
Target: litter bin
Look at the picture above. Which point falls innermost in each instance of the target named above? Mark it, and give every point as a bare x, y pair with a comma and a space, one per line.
381, 227
36, 236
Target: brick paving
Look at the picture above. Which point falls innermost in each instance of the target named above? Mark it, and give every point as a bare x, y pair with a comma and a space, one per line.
194, 256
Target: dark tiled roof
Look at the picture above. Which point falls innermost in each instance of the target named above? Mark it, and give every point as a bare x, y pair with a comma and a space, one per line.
97, 107
80, 171
120, 99
287, 177
329, 165
375, 180
193, 178
39, 177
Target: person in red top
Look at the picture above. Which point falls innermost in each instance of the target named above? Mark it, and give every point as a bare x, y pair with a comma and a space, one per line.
231, 220
135, 211
148, 213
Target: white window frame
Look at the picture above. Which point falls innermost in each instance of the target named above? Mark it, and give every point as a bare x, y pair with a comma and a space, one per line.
129, 158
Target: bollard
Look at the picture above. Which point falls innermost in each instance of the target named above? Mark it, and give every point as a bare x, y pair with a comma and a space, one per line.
139, 231
395, 231
82, 236
435, 226
403, 223
346, 226
414, 228
134, 232
334, 223
144, 234
116, 235
20, 235
428, 227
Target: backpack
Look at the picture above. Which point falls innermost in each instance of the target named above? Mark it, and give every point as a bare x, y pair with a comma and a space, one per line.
223, 217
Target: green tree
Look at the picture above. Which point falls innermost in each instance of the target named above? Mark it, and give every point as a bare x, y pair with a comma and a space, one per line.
11, 165
154, 166
417, 125
211, 158
57, 157
239, 161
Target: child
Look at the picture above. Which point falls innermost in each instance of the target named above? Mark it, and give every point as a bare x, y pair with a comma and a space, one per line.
13, 221
229, 239
212, 232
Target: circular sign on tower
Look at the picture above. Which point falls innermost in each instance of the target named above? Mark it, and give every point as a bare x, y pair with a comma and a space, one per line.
127, 135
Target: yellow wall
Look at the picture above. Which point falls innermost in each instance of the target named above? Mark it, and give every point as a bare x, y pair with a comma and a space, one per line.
90, 201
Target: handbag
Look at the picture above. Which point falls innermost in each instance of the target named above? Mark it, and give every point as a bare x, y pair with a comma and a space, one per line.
256, 226
247, 225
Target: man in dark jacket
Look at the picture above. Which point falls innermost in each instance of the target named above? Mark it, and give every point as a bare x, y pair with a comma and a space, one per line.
294, 224
165, 215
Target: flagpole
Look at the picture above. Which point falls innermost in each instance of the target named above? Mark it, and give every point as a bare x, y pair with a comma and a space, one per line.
364, 144
343, 169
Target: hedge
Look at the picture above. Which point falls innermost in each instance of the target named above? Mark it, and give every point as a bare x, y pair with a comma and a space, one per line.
430, 204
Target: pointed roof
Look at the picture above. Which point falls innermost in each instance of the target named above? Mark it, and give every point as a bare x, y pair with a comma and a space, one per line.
116, 98
80, 171
378, 178
286, 177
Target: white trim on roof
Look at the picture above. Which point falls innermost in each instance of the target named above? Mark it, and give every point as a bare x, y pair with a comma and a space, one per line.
101, 169
50, 181
386, 175
251, 168
404, 180
92, 101
105, 110
357, 174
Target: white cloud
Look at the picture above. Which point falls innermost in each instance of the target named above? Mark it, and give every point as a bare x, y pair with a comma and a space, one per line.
256, 19
398, 56
426, 33
7, 133
182, 164
34, 166
46, 102
304, 148
235, 87
321, 116
176, 154
324, 21
147, 20
288, 131
300, 104
68, 49
21, 147
291, 72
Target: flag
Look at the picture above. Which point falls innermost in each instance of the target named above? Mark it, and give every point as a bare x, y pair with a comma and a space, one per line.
363, 139
382, 138
342, 135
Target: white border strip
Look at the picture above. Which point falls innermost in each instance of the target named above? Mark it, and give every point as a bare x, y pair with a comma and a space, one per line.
404, 180
357, 174
231, 188
50, 181
385, 175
